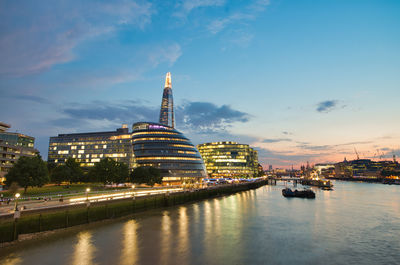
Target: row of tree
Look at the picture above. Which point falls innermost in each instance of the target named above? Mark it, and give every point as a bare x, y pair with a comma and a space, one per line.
34, 172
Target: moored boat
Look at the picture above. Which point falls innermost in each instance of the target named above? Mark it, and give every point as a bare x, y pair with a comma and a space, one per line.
287, 192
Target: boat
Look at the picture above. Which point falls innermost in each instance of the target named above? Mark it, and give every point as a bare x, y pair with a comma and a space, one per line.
322, 183
287, 192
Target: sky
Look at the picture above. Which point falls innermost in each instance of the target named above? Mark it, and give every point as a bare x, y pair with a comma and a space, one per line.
297, 80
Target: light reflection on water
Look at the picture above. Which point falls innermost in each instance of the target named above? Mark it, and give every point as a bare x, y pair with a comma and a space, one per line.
129, 246
84, 249
357, 223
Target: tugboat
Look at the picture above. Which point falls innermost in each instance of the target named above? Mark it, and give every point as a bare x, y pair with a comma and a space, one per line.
287, 192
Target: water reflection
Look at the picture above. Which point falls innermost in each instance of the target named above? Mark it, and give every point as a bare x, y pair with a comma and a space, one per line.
354, 224
12, 260
84, 249
130, 246
165, 237
217, 217
184, 235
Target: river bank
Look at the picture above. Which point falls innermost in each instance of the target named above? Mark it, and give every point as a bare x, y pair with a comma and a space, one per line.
39, 221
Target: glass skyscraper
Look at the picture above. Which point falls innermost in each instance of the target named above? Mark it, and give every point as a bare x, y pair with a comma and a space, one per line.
167, 104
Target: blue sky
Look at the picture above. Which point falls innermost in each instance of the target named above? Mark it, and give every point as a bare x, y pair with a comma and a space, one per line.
298, 80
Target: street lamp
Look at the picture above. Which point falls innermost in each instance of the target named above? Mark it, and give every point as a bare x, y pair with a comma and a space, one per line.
16, 201
87, 193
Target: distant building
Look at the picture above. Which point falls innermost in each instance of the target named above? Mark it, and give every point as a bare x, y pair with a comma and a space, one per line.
12, 146
325, 169
364, 168
89, 148
270, 168
163, 147
229, 159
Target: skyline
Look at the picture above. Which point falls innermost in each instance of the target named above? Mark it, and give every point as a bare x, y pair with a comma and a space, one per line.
298, 81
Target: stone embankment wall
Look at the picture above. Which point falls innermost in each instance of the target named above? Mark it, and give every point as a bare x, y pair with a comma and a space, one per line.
72, 215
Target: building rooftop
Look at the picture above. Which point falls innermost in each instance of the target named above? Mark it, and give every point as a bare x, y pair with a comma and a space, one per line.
4, 126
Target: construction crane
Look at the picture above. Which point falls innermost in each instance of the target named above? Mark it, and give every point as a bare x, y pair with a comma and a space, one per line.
355, 150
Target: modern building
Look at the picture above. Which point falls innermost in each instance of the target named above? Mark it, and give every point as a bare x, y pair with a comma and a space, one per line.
89, 148
167, 104
324, 169
163, 147
364, 168
13, 145
229, 159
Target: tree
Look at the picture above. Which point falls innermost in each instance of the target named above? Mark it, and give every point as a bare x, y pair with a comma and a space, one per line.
147, 175
109, 171
28, 172
76, 172
60, 173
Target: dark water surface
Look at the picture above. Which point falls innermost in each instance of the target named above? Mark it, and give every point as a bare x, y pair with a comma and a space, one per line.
357, 223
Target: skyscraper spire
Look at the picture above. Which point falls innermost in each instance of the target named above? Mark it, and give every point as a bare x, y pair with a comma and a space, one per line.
167, 104
168, 80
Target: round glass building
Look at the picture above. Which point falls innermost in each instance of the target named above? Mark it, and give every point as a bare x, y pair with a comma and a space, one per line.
165, 148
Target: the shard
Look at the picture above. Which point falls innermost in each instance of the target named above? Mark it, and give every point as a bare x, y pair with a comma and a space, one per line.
167, 104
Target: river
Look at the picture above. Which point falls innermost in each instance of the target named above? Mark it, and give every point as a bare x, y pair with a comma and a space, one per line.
357, 223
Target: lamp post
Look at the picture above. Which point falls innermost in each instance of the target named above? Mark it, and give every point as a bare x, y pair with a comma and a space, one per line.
87, 194
133, 191
17, 195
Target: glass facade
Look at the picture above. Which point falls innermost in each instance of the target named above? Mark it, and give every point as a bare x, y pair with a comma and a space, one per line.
229, 159
165, 148
167, 104
89, 148
12, 147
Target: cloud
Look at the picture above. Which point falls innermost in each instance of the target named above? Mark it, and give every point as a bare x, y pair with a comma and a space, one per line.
186, 6
118, 113
47, 32
327, 106
208, 117
310, 147
276, 140
192, 116
267, 156
32, 98
248, 13
165, 54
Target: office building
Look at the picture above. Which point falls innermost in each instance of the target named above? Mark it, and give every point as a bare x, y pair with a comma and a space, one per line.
13, 145
89, 148
229, 159
164, 147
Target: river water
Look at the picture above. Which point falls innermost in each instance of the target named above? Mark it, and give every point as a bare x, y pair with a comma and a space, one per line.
357, 223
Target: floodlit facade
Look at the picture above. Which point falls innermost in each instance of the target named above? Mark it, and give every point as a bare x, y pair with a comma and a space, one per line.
165, 148
12, 147
167, 104
229, 159
89, 148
